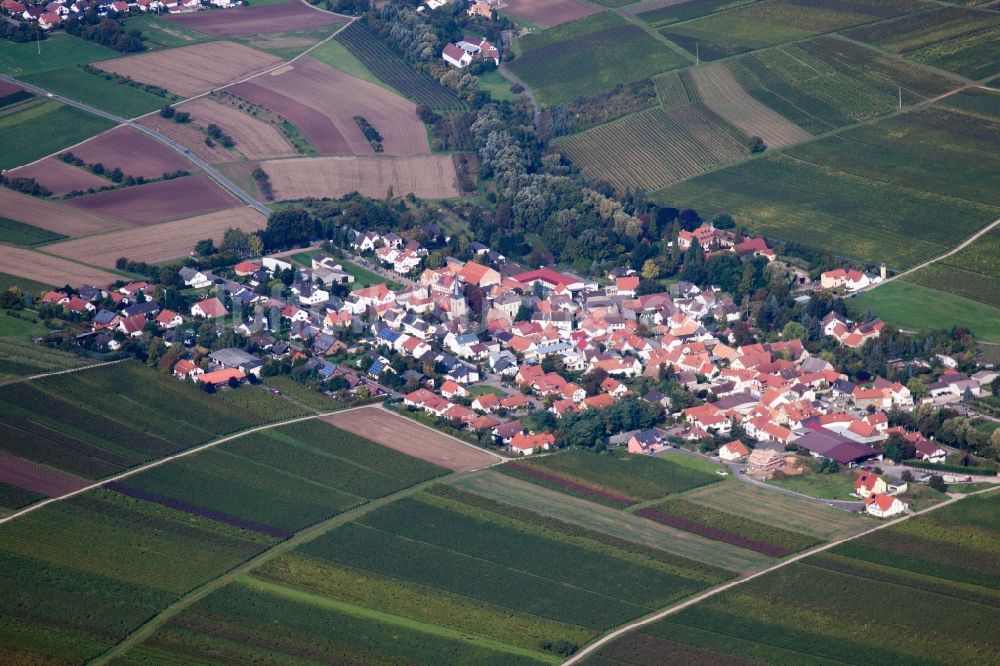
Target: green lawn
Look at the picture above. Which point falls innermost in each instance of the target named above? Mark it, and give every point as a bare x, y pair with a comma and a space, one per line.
96, 90
497, 86
18, 233
287, 45
11, 326
482, 389
59, 50
824, 486
362, 276
37, 127
911, 306
336, 55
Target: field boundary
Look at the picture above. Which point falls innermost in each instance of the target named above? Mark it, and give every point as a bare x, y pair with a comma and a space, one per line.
156, 463
280, 548
670, 610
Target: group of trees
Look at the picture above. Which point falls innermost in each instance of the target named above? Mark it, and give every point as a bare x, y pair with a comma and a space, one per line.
105, 31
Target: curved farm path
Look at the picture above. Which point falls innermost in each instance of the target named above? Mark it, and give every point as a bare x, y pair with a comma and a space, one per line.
514, 80
670, 610
955, 250
161, 461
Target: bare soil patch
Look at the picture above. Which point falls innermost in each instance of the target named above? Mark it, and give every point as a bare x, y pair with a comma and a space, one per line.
249, 21
406, 436
51, 270
58, 177
340, 97
8, 88
190, 138
57, 217
158, 242
131, 151
158, 202
427, 176
255, 139
192, 70
723, 94
318, 129
37, 478
549, 13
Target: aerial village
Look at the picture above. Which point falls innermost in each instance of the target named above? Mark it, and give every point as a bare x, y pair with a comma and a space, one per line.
501, 355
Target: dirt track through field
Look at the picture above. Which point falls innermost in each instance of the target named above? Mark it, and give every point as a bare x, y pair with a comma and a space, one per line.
255, 139
58, 177
340, 97
51, 270
723, 94
428, 177
51, 215
412, 438
142, 205
131, 151
159, 242
192, 70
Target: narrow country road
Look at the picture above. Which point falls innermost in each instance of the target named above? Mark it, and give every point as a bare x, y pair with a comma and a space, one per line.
212, 172
162, 461
588, 650
958, 248
513, 80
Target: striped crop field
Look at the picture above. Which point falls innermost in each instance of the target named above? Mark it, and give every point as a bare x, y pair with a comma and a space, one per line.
656, 147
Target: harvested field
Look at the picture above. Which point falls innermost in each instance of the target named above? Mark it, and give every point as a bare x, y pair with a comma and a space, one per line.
51, 270
402, 434
50, 215
249, 21
340, 97
255, 139
314, 125
158, 202
192, 70
8, 89
428, 177
131, 151
159, 242
190, 138
722, 93
58, 177
548, 14
37, 478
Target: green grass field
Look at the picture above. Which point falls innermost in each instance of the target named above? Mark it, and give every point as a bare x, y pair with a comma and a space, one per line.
825, 83
589, 56
287, 45
8, 281
37, 127
11, 326
98, 91
933, 580
823, 486
958, 40
895, 206
19, 233
973, 273
160, 34
336, 55
914, 307
59, 50
497, 86
606, 520
762, 24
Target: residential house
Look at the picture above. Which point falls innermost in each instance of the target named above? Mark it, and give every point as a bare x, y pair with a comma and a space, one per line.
733, 451
884, 506
867, 484
209, 309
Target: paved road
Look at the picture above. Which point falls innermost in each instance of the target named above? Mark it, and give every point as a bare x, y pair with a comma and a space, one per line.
212, 172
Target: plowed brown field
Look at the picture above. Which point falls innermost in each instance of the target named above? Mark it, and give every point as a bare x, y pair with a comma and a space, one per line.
37, 478
131, 151
548, 13
158, 242
340, 97
255, 139
51, 215
190, 138
427, 176
58, 177
192, 70
402, 434
51, 270
158, 202
249, 21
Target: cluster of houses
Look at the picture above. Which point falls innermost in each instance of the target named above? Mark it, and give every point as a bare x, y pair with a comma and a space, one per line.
49, 15
463, 52
850, 280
